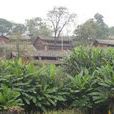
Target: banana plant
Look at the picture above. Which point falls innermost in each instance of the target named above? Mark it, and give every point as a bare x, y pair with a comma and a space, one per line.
9, 98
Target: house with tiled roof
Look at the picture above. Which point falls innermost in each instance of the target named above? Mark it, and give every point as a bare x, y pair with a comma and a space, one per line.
103, 43
52, 50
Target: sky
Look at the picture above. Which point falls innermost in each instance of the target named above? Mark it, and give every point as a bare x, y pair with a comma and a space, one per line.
19, 10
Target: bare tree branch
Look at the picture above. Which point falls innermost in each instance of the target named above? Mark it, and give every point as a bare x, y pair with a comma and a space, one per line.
59, 18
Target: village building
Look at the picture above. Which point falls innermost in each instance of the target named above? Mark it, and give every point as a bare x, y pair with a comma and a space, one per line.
103, 43
50, 50
11, 46
42, 43
42, 49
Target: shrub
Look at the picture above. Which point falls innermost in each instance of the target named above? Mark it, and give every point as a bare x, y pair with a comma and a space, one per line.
88, 86
88, 58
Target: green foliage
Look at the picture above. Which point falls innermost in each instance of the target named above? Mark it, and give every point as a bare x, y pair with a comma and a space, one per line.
111, 31
7, 27
8, 98
19, 28
38, 89
94, 28
37, 26
93, 77
86, 83
88, 58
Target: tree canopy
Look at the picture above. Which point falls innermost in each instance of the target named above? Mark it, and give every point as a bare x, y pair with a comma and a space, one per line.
5, 26
94, 28
18, 28
111, 31
37, 26
58, 20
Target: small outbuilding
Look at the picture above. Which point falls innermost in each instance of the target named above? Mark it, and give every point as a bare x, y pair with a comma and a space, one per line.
103, 43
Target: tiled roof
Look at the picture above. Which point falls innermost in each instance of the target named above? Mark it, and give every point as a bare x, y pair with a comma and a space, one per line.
107, 42
52, 38
4, 37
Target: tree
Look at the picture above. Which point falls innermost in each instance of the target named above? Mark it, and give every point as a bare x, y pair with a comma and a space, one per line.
111, 31
87, 30
92, 29
5, 26
99, 18
18, 28
37, 26
8, 98
103, 29
59, 18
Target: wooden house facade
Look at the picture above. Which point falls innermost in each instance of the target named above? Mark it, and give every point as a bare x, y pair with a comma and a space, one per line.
52, 44
45, 50
51, 50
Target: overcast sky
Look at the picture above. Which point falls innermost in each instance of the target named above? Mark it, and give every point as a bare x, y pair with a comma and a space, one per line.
19, 10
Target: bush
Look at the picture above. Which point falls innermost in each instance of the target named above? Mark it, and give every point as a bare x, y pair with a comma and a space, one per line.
88, 58
39, 89
88, 85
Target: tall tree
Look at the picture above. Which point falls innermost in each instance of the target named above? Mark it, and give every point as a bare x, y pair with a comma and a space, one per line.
103, 29
92, 29
5, 26
111, 31
37, 26
18, 28
59, 18
86, 30
99, 18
